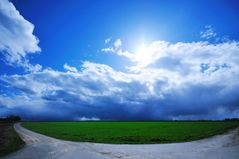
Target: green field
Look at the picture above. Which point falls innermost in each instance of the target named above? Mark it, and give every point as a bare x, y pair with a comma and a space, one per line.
131, 132
9, 140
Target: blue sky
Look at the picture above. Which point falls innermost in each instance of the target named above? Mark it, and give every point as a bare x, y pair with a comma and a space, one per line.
119, 59
76, 30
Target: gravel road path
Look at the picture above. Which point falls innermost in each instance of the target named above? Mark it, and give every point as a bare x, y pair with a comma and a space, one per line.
39, 146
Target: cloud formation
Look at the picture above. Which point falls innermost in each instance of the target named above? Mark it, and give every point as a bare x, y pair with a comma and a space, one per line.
208, 33
17, 39
195, 80
70, 68
107, 40
183, 80
116, 46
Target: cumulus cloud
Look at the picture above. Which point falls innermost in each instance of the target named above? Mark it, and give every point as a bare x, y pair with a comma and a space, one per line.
195, 80
87, 119
208, 33
107, 40
70, 68
115, 48
17, 39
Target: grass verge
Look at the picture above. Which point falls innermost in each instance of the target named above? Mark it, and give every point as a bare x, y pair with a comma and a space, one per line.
9, 140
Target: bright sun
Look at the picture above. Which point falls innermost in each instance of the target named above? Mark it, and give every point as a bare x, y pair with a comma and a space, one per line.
142, 55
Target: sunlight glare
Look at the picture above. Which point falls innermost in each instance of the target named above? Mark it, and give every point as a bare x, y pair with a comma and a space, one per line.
142, 55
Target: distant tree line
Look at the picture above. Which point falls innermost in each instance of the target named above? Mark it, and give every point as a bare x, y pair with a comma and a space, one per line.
11, 118
231, 119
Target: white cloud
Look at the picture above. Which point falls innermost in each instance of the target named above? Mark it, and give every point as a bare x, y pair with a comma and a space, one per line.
70, 68
17, 39
115, 49
108, 49
184, 58
107, 40
184, 80
87, 119
168, 80
208, 33
117, 44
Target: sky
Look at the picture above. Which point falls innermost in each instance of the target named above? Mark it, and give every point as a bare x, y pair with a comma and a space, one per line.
119, 60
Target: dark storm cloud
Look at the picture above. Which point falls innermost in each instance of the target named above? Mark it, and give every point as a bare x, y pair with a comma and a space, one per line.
101, 92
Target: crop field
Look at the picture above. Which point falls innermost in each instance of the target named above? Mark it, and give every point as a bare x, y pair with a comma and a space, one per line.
131, 132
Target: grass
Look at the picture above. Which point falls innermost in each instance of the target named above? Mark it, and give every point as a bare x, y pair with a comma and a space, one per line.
9, 140
131, 132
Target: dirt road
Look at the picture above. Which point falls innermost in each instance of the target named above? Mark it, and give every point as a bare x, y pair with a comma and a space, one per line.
38, 146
